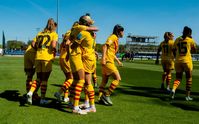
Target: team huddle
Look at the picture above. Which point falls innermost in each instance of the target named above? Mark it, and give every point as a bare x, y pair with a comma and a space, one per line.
77, 61
177, 54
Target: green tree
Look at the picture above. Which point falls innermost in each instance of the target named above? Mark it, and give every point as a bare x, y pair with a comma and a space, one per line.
98, 48
14, 44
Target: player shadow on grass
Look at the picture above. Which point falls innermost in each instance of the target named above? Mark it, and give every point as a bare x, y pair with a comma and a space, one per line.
10, 95
151, 92
14, 95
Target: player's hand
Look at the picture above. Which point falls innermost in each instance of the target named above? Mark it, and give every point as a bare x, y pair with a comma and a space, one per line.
120, 64
157, 62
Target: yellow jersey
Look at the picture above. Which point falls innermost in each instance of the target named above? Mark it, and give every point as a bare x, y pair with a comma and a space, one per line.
167, 50
112, 48
183, 49
87, 43
43, 41
30, 49
76, 29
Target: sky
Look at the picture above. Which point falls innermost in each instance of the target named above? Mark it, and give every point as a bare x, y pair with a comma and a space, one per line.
22, 19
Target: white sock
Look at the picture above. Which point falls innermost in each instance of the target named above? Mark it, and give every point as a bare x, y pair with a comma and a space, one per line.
86, 102
76, 107
92, 106
30, 93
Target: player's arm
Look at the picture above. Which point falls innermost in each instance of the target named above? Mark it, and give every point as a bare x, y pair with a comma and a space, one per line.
92, 28
174, 52
54, 44
33, 44
104, 50
193, 48
118, 61
157, 55
61, 46
68, 43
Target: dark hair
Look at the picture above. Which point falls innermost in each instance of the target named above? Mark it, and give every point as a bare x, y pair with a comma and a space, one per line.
186, 32
50, 25
117, 28
88, 14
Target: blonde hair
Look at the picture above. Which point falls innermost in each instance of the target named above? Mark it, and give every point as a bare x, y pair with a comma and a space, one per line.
168, 36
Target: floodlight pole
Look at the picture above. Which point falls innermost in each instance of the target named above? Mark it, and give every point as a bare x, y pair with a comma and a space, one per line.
57, 15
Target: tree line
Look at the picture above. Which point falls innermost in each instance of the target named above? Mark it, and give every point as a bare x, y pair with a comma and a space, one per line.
20, 45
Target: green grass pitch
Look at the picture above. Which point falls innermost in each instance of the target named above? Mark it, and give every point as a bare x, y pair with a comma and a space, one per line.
137, 100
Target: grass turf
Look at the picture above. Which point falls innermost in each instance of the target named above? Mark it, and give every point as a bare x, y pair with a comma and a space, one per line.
137, 99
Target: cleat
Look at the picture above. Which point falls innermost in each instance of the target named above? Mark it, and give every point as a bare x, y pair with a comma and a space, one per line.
168, 90
35, 97
103, 102
43, 102
106, 99
79, 112
23, 100
70, 105
58, 96
91, 109
29, 98
66, 99
162, 86
172, 94
188, 98
84, 106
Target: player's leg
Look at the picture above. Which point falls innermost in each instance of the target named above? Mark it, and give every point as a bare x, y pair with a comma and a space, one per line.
164, 75
102, 85
168, 79
94, 77
188, 72
188, 85
36, 83
64, 88
69, 81
170, 67
79, 76
179, 73
86, 97
34, 87
112, 87
46, 70
30, 73
91, 93
45, 76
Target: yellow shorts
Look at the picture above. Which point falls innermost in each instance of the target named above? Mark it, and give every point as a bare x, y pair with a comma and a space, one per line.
29, 63
109, 68
43, 66
181, 67
64, 65
76, 62
89, 65
167, 64
29, 60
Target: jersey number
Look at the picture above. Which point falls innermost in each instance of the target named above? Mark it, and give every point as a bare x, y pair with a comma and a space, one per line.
166, 48
182, 48
43, 40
